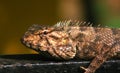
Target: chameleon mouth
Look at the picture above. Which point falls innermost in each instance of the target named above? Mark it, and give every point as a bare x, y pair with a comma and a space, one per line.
27, 43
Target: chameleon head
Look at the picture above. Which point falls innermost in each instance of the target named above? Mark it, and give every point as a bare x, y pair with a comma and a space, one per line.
53, 42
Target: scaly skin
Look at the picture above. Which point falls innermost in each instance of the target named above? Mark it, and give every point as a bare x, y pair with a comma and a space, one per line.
69, 39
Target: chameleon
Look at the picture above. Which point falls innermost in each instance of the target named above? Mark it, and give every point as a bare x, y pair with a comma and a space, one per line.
71, 39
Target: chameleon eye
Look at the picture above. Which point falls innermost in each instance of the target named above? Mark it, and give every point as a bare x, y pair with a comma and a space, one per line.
45, 32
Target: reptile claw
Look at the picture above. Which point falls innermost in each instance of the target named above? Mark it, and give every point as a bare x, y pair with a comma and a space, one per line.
83, 68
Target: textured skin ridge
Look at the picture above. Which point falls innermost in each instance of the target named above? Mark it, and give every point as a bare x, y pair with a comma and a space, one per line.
71, 39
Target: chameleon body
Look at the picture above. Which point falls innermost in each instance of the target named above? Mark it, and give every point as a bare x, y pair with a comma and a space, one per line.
68, 39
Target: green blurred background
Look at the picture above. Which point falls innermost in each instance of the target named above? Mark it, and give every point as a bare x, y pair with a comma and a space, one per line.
17, 15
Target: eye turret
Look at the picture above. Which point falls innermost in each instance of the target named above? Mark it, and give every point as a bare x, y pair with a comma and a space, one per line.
45, 32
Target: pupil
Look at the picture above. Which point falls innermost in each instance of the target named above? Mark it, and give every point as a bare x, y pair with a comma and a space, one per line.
45, 32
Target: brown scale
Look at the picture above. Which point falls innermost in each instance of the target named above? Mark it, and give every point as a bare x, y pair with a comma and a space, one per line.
69, 39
